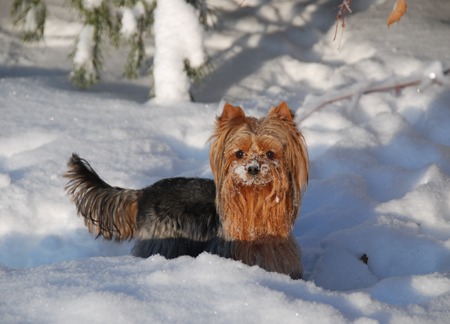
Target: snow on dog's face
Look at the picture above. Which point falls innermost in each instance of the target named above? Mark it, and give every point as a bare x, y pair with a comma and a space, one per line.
260, 168
254, 161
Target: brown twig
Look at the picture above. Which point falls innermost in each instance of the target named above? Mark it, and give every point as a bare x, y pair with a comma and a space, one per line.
344, 7
374, 87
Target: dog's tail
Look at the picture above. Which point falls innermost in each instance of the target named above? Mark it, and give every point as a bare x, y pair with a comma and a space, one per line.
108, 211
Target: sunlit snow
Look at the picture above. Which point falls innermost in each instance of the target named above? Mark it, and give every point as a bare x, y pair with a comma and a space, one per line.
375, 222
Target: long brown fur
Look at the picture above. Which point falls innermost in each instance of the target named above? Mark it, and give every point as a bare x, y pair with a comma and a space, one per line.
274, 206
107, 211
260, 210
260, 169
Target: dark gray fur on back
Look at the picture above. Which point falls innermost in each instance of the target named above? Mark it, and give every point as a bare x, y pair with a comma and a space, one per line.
176, 216
173, 217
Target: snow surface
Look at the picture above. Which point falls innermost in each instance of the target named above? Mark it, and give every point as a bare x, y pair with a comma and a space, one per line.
379, 183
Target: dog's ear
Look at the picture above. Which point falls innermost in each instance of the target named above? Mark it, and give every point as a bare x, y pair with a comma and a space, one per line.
282, 111
231, 112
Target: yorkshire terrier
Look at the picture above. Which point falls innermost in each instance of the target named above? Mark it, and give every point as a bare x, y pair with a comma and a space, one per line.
260, 169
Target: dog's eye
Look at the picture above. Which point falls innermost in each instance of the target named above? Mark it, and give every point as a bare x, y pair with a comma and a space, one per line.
270, 154
239, 154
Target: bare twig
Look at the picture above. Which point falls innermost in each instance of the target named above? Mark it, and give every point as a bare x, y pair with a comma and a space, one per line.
382, 86
344, 7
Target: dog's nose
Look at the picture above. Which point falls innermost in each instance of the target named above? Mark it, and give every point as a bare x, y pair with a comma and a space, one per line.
253, 169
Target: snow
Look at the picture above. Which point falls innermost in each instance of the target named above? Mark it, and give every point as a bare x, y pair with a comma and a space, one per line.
30, 24
379, 183
129, 23
84, 51
92, 4
240, 169
130, 19
178, 37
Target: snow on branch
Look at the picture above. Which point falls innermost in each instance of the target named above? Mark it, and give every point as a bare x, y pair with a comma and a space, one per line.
87, 58
29, 16
136, 21
85, 71
178, 31
178, 39
434, 74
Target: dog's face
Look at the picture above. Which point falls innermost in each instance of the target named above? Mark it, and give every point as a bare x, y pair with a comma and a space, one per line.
260, 168
253, 159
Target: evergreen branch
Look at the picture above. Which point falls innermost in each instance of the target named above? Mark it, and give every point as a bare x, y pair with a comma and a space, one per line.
103, 20
197, 74
86, 59
82, 78
29, 16
87, 74
135, 58
136, 55
205, 13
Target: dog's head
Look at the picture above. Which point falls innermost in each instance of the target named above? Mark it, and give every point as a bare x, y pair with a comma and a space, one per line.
260, 168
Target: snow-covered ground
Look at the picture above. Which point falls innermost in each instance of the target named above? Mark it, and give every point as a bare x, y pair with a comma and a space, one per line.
379, 183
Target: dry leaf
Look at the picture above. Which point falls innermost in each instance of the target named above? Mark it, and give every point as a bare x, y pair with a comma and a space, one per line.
396, 13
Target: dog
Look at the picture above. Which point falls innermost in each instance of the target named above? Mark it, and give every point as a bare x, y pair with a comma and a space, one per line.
247, 213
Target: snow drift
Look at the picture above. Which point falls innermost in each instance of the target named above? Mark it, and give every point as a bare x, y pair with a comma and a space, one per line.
375, 221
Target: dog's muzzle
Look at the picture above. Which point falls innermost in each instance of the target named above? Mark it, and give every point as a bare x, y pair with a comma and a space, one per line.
253, 167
